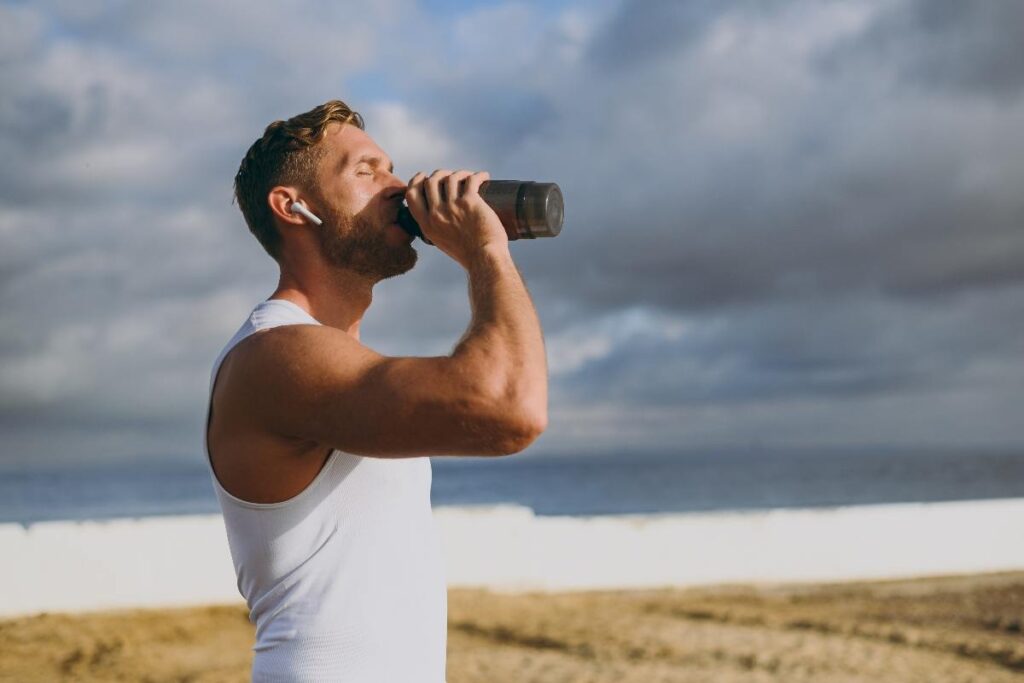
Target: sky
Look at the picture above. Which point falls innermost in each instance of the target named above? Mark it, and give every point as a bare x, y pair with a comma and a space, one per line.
792, 224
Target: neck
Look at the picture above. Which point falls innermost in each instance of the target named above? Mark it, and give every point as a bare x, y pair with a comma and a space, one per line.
335, 297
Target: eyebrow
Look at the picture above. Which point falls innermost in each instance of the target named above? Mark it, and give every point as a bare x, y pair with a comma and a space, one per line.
371, 159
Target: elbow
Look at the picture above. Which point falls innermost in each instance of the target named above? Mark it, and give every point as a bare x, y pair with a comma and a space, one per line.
521, 414
535, 421
523, 433
538, 425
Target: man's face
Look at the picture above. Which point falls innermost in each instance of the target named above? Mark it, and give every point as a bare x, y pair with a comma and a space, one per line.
359, 197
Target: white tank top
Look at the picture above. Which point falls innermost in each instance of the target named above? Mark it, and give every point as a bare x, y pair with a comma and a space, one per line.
345, 581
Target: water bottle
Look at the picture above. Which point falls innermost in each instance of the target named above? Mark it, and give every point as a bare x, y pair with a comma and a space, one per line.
527, 210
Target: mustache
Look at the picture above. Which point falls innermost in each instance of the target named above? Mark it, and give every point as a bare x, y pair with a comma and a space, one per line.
397, 209
366, 218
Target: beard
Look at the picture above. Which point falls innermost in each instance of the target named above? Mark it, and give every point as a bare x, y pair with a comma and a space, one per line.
359, 244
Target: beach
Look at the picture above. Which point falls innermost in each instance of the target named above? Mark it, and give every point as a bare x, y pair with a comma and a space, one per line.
954, 628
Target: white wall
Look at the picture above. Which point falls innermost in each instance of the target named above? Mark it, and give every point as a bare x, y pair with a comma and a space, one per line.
164, 561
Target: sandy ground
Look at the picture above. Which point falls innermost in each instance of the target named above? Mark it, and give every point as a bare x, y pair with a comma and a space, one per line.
951, 629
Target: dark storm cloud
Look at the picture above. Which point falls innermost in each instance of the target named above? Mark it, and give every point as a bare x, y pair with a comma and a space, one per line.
816, 348
642, 30
734, 170
974, 47
512, 114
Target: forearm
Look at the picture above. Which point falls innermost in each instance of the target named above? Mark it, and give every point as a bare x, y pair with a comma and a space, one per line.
504, 346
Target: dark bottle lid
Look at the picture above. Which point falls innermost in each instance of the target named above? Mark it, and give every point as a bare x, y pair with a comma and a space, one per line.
540, 209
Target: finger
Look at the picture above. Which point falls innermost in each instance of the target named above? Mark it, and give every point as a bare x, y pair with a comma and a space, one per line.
416, 182
414, 196
475, 181
452, 184
434, 199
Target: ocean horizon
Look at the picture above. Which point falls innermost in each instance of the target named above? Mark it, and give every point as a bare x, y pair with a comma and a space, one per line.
562, 484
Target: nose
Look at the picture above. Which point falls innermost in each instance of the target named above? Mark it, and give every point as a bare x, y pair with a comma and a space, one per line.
395, 187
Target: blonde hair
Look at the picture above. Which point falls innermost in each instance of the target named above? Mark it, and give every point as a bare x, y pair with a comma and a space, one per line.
287, 154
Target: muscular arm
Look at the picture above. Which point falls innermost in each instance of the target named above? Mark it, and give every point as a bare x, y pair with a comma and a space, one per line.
316, 383
504, 344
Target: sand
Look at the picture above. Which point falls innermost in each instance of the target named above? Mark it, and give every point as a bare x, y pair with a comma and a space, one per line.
964, 628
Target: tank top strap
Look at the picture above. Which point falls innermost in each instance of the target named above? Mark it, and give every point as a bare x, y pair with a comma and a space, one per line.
267, 314
276, 312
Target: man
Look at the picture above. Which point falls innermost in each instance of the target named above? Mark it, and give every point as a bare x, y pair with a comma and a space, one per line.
317, 443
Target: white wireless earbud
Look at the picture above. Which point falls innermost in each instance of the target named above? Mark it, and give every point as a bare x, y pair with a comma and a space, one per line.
299, 207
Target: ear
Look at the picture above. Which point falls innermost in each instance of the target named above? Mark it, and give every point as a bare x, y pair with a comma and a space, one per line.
280, 200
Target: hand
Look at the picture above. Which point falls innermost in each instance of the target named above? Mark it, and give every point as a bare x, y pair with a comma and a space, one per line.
452, 214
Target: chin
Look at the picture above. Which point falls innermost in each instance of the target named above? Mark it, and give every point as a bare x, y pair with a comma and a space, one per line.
402, 266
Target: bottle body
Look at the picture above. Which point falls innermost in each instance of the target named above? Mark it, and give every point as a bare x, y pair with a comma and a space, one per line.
527, 209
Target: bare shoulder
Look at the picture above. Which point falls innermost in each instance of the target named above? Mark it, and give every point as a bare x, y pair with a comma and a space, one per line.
309, 359
300, 341
316, 384
251, 461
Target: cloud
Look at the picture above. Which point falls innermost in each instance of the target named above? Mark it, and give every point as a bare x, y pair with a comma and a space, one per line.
422, 144
816, 348
968, 47
787, 222
641, 32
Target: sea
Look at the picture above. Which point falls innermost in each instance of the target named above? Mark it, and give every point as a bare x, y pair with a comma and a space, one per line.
562, 484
